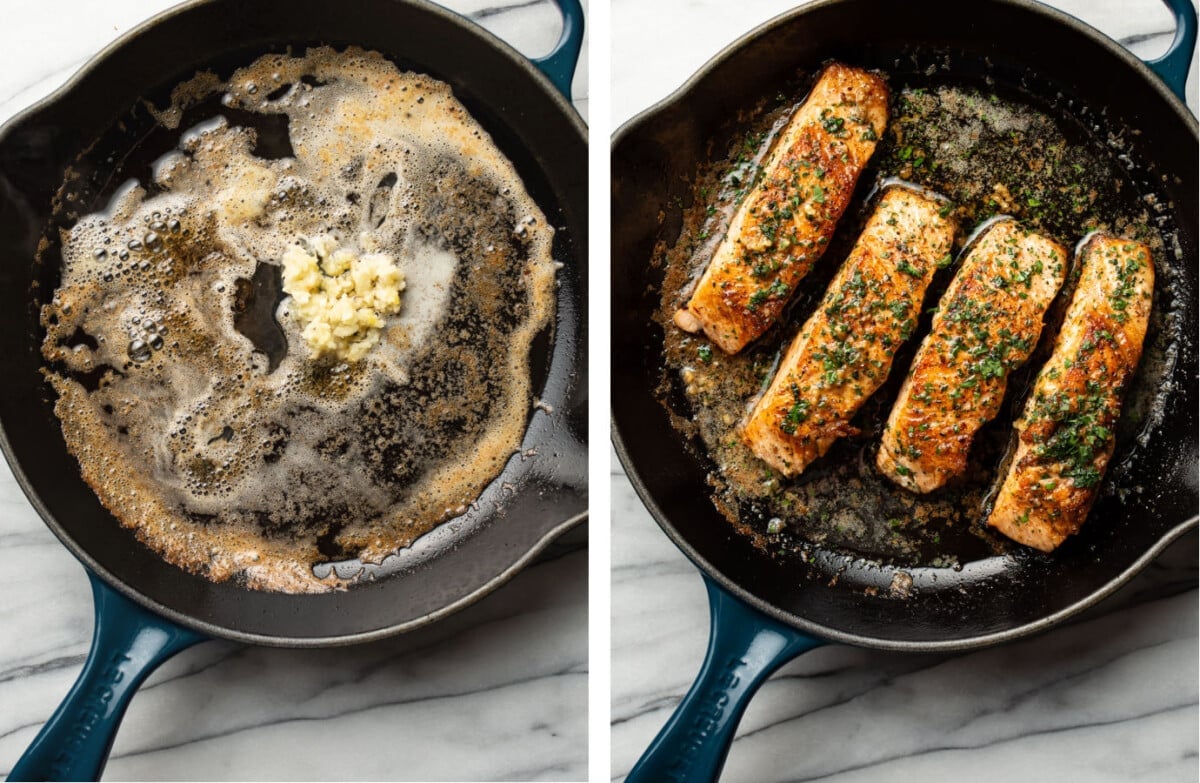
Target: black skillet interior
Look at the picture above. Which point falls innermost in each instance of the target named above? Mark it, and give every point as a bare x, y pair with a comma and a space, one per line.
526, 506
1024, 48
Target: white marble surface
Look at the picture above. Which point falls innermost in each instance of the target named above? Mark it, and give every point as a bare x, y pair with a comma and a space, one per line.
496, 692
1111, 697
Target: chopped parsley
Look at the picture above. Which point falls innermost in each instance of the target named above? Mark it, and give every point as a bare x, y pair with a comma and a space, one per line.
1080, 433
777, 290
797, 414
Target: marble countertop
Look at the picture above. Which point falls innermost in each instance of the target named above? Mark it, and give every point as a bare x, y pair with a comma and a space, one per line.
495, 692
1110, 697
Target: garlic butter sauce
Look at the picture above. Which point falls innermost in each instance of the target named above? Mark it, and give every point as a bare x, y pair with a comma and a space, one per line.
238, 456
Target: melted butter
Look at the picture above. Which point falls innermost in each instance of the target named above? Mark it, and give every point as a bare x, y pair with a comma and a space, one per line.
237, 460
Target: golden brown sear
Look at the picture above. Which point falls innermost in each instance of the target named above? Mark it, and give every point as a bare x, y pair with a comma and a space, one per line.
844, 351
987, 324
1066, 433
787, 219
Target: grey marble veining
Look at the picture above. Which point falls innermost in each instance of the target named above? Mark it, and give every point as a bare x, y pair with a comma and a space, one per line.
1111, 697
496, 692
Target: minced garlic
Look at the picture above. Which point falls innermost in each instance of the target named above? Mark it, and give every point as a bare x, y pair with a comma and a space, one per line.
339, 296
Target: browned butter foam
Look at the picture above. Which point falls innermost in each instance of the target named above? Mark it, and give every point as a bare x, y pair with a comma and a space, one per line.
235, 463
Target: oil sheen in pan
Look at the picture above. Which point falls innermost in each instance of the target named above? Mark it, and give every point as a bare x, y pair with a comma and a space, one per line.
184, 388
993, 151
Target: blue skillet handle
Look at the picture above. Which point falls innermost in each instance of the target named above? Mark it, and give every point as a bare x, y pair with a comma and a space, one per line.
559, 65
1172, 67
129, 643
744, 648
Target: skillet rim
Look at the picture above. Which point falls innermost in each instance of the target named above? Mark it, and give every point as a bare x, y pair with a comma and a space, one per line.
63, 93
634, 124
630, 125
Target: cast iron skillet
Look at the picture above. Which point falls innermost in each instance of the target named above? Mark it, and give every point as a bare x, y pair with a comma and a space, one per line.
147, 609
768, 609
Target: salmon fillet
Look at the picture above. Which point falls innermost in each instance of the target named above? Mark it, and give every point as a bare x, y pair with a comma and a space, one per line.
787, 219
1066, 433
844, 351
987, 324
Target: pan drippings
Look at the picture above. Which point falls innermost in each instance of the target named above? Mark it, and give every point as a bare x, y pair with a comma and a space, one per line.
199, 414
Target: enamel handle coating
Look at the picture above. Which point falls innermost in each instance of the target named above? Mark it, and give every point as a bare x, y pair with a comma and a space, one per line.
129, 642
1173, 66
744, 648
559, 65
